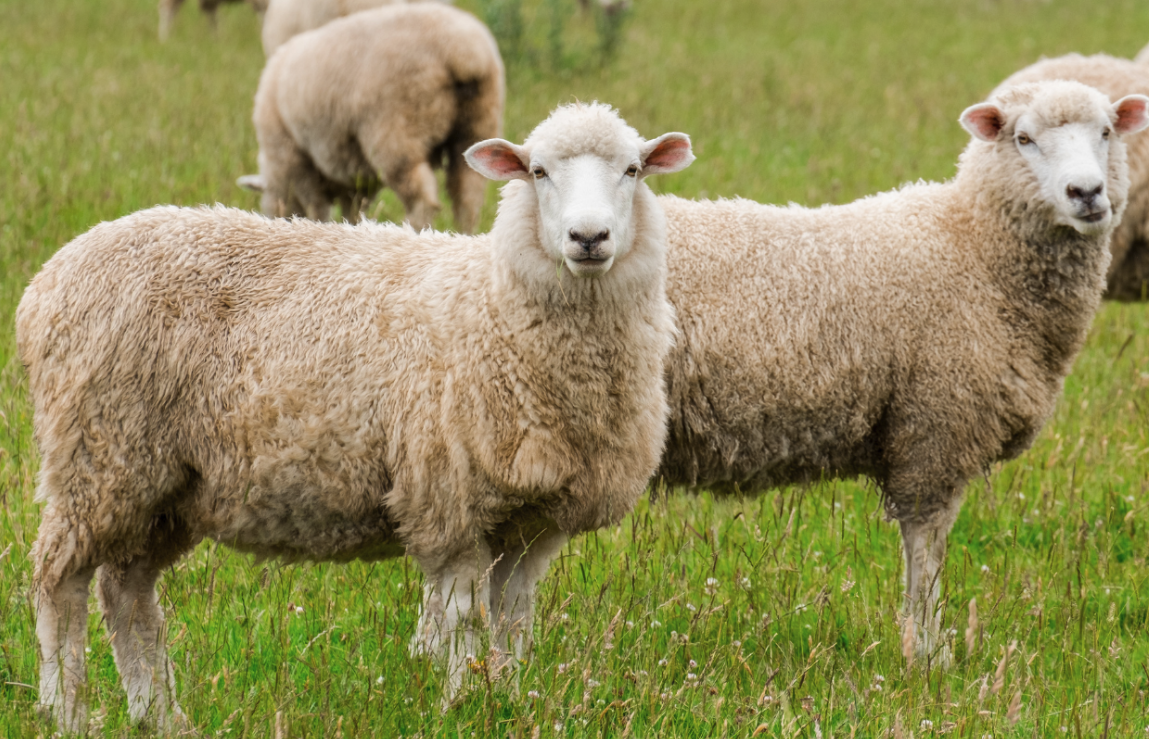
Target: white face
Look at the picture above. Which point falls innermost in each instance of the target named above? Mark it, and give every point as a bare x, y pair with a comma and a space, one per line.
586, 201
1070, 161
585, 205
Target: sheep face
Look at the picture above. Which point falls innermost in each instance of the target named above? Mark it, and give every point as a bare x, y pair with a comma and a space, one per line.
1063, 140
585, 194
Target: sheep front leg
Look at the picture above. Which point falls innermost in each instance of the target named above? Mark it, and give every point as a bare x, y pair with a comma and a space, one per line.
62, 628
457, 601
135, 623
924, 543
513, 585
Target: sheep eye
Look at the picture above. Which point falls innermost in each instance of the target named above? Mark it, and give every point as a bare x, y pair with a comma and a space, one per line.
1024, 139
1105, 134
632, 170
539, 173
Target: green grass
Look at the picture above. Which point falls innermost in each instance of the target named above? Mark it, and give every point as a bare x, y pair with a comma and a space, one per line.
820, 101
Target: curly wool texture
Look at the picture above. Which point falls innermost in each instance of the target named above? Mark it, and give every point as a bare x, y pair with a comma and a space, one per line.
1128, 275
915, 336
328, 392
379, 99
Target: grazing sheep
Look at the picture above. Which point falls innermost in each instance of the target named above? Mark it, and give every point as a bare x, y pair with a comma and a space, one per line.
1128, 276
169, 8
328, 392
914, 336
380, 98
287, 18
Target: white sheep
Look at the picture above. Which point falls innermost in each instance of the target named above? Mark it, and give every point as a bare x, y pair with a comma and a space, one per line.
169, 8
286, 18
1128, 276
914, 336
378, 98
332, 392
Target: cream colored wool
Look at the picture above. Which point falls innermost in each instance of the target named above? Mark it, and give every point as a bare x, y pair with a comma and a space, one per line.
169, 8
1128, 276
379, 99
287, 18
317, 391
915, 336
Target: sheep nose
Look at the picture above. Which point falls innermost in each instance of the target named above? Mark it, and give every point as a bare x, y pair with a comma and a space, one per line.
589, 242
1085, 196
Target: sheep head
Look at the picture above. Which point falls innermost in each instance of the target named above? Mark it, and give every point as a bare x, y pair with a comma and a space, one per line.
1060, 133
585, 165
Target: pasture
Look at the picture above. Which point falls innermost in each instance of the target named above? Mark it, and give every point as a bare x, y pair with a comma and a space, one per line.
772, 616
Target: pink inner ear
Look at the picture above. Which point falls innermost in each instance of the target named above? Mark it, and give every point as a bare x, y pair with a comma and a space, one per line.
669, 153
1131, 115
501, 160
984, 121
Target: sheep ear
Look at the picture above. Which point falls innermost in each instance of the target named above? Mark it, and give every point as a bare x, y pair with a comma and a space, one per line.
670, 152
984, 121
1132, 114
496, 159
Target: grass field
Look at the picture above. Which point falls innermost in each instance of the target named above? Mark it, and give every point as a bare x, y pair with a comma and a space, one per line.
774, 616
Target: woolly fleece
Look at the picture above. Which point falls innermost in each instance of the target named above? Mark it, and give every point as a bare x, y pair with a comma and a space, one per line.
915, 336
379, 99
287, 18
329, 392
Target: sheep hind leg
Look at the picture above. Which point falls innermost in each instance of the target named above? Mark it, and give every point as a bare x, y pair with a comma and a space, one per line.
62, 629
135, 623
467, 189
513, 584
419, 190
924, 546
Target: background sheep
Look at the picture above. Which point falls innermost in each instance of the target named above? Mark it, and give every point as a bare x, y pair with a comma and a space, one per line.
169, 8
916, 336
325, 392
378, 99
287, 18
1128, 276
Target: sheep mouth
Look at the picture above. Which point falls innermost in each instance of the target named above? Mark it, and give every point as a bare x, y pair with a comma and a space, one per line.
587, 266
1094, 217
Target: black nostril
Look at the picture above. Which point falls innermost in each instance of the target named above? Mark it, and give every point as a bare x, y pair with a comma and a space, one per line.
1076, 193
589, 242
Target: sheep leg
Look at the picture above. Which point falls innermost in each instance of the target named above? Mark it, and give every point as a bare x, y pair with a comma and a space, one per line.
349, 203
62, 628
513, 584
458, 599
168, 10
426, 640
135, 623
419, 191
925, 550
467, 189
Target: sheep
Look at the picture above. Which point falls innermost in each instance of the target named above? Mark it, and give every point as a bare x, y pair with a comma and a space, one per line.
287, 18
1128, 276
378, 98
169, 8
915, 336
332, 392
